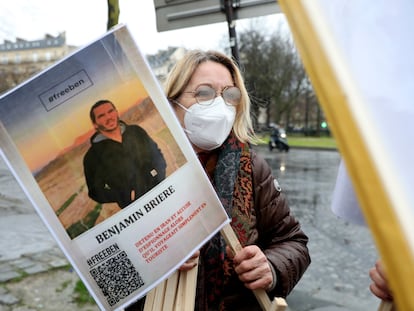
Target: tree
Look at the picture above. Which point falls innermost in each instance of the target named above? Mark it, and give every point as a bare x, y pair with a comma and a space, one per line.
11, 75
273, 71
113, 13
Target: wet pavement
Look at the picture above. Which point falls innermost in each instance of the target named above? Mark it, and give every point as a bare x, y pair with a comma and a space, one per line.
337, 279
341, 253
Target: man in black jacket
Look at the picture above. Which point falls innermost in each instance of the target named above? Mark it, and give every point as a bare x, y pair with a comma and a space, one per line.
123, 161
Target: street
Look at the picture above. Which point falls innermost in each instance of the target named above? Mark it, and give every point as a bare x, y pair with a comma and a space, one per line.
341, 253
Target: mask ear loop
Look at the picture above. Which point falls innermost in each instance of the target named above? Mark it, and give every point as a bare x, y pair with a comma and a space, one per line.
174, 101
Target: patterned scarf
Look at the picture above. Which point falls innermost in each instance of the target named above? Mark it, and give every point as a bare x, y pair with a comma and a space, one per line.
230, 170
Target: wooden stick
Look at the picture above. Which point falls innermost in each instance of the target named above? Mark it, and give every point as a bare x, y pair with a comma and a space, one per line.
171, 291
386, 306
159, 296
149, 300
278, 304
180, 297
190, 277
186, 291
177, 293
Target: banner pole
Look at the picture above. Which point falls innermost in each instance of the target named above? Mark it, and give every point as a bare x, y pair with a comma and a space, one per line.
278, 304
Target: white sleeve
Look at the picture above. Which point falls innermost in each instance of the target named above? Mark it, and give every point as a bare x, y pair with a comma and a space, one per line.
344, 202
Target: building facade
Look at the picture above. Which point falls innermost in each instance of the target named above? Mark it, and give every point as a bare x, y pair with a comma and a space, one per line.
21, 59
162, 62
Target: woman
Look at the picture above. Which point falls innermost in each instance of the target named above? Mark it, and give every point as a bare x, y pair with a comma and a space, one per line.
208, 95
207, 92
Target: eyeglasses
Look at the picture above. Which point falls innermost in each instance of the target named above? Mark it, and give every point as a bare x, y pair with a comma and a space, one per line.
205, 95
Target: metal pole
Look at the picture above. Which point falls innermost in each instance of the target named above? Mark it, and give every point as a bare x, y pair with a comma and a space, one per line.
228, 8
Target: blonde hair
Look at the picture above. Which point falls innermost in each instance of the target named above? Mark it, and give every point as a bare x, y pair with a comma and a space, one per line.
181, 74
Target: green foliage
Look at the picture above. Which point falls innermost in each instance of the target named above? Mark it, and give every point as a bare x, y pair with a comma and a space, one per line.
312, 142
300, 141
63, 286
22, 274
66, 204
81, 294
84, 224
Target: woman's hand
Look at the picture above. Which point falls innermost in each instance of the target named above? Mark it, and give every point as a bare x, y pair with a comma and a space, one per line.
191, 262
252, 267
379, 286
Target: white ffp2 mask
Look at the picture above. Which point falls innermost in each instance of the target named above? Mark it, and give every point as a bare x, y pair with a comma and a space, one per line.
207, 126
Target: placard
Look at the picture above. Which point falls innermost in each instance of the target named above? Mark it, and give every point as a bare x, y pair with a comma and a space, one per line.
126, 213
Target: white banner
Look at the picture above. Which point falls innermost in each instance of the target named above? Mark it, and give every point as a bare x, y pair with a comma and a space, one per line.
357, 54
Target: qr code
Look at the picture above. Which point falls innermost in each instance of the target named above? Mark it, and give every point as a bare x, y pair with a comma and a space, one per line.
117, 278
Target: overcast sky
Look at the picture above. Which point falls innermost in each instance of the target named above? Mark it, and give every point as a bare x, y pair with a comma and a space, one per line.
85, 20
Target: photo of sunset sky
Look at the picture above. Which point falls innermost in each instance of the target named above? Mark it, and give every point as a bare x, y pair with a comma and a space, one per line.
48, 120
41, 134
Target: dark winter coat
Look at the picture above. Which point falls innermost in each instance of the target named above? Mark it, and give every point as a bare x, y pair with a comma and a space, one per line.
113, 169
277, 233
